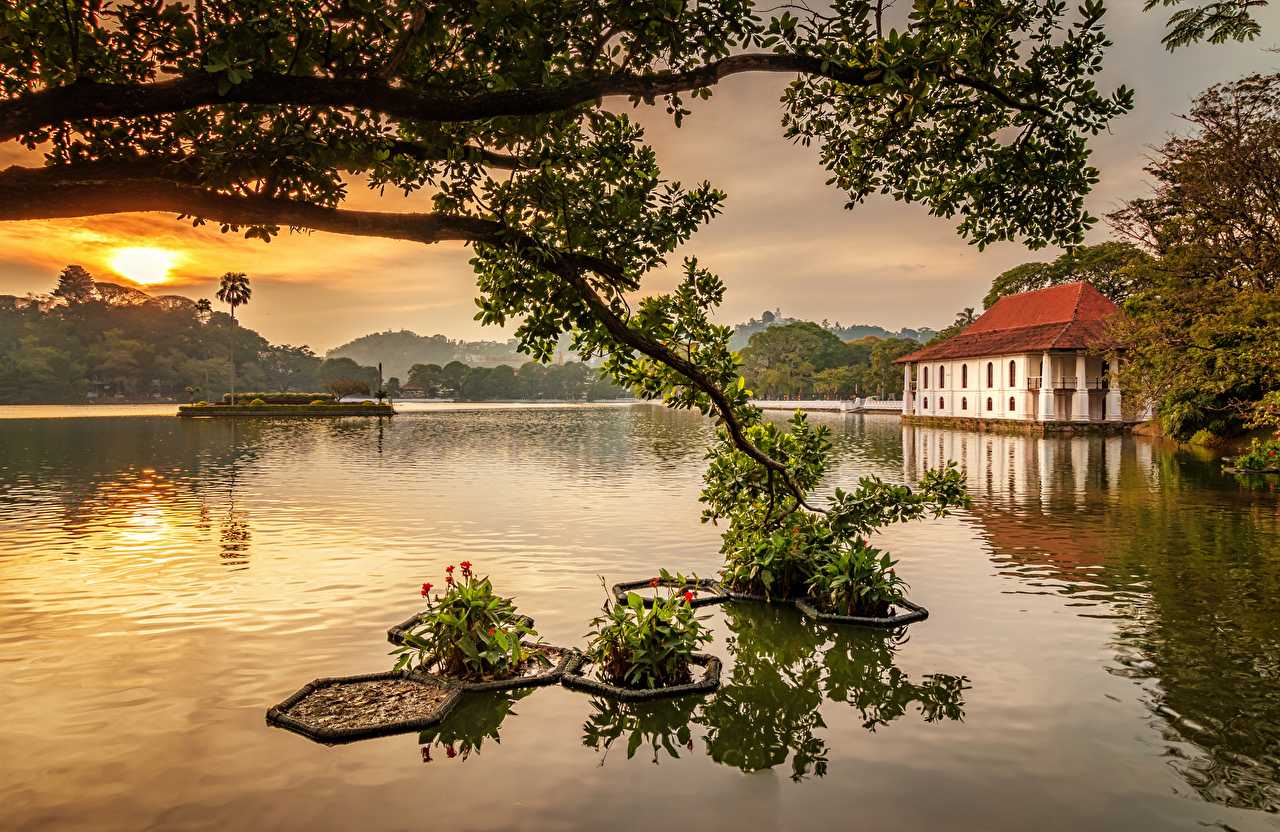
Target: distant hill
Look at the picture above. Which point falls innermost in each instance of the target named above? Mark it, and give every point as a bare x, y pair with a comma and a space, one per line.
398, 351
742, 332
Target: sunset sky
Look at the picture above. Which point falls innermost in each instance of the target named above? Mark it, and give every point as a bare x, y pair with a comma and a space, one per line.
783, 241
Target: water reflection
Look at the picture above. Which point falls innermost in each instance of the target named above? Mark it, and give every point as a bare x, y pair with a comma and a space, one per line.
477, 718
1193, 585
769, 709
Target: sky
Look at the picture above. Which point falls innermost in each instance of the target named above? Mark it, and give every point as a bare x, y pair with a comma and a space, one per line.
784, 240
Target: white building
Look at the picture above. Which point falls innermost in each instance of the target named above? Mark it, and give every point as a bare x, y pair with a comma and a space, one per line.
1030, 357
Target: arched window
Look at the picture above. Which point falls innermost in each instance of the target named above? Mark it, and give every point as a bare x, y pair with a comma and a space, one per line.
942, 377
1012, 405
926, 382
964, 375
988, 404
964, 403
991, 376
942, 403
926, 402
1013, 373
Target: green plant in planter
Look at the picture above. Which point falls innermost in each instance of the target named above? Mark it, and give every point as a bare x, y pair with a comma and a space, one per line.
855, 579
637, 647
468, 632
777, 539
1261, 455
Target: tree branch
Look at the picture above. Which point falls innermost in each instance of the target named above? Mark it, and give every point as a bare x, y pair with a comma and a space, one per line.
92, 100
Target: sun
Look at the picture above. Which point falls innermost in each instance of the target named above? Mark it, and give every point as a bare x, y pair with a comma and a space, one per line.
143, 264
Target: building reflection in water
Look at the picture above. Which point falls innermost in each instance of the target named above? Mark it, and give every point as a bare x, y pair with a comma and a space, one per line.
1190, 586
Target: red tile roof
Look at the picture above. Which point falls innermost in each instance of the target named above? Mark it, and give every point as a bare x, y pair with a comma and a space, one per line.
1070, 316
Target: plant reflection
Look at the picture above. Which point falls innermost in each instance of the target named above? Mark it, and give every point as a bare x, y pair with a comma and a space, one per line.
476, 719
768, 710
661, 726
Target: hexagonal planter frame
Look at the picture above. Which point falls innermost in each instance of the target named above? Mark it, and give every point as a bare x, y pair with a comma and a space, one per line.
714, 593
395, 634
278, 714
914, 612
550, 676
733, 595
709, 681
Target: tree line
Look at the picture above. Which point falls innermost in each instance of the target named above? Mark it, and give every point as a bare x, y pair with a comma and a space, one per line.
87, 340
571, 381
804, 360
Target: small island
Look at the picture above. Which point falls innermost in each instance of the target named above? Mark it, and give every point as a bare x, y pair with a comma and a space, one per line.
283, 405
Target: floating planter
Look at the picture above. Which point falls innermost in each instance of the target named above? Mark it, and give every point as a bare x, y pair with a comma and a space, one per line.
708, 590
1230, 470
348, 708
734, 595
911, 613
533, 674
579, 677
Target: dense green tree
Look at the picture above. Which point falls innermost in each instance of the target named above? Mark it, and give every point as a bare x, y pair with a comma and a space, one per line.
1203, 335
1116, 269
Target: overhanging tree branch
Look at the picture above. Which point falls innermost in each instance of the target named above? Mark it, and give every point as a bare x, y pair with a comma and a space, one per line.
92, 100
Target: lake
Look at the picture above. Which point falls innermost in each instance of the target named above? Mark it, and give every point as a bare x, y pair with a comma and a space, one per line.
1103, 650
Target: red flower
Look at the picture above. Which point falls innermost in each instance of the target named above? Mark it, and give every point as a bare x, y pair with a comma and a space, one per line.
492, 631
448, 749
688, 597
426, 590
653, 582
466, 567
449, 569
448, 579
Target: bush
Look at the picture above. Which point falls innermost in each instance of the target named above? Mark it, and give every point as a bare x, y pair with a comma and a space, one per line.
469, 632
1260, 455
257, 403
320, 402
856, 580
277, 398
1205, 438
638, 647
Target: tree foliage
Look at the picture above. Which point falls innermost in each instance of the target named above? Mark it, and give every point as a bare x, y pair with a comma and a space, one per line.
1116, 269
1203, 335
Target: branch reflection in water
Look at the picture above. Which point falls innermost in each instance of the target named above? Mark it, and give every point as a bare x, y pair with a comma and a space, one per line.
769, 709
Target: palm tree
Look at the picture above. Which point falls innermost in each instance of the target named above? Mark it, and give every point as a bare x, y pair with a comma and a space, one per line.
966, 317
203, 310
234, 291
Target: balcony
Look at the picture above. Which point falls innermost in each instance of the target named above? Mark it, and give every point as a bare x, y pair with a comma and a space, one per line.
1033, 382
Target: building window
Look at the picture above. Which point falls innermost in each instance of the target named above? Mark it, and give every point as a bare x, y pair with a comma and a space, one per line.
988, 404
991, 377
926, 381
941, 403
926, 402
964, 375
1012, 405
1013, 373
942, 377
964, 403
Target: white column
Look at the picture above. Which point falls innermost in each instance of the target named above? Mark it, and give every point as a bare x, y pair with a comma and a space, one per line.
907, 398
1080, 399
1113, 392
1047, 413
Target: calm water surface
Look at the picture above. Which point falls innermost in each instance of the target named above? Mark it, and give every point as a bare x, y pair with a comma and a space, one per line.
1103, 651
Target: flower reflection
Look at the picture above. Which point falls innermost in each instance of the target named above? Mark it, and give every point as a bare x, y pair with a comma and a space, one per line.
476, 719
